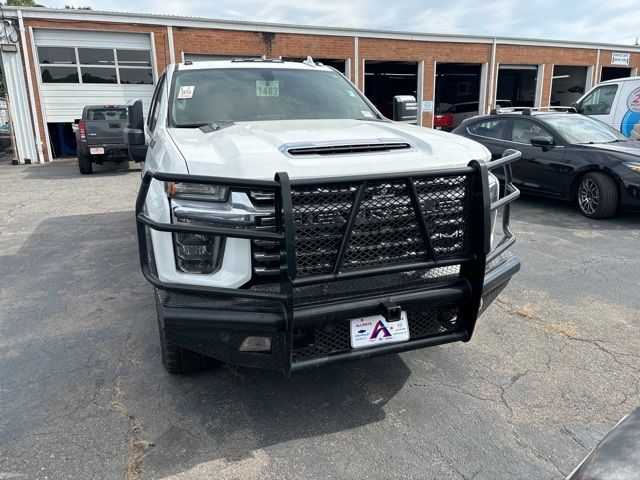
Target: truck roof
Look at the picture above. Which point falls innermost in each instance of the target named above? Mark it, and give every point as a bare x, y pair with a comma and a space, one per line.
250, 62
618, 80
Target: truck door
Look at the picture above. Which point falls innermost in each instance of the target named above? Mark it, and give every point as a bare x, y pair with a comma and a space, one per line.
628, 109
601, 103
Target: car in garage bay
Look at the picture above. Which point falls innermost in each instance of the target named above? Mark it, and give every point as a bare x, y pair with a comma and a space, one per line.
564, 155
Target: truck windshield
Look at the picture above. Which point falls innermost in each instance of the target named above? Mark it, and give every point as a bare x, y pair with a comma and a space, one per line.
201, 97
107, 114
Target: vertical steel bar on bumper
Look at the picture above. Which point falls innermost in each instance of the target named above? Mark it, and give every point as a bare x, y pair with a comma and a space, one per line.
511, 194
466, 291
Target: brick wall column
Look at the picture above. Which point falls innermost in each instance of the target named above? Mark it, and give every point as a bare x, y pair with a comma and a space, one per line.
545, 98
427, 93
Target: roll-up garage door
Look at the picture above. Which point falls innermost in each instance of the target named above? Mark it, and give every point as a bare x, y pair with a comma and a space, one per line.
78, 68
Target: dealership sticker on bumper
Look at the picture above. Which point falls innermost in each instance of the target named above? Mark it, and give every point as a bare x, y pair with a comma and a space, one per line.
96, 151
375, 330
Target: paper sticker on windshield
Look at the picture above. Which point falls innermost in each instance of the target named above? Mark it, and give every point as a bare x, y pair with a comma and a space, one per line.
267, 89
185, 92
367, 114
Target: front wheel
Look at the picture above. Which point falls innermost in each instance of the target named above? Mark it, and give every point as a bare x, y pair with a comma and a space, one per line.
178, 360
84, 164
597, 195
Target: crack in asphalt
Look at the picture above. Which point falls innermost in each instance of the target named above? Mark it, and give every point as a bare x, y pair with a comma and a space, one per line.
573, 437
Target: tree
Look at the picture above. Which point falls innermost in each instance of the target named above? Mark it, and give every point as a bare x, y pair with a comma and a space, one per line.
21, 3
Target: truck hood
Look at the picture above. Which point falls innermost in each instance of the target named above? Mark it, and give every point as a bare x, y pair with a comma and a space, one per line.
258, 150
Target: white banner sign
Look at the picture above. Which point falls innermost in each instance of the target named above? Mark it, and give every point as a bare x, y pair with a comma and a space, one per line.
618, 58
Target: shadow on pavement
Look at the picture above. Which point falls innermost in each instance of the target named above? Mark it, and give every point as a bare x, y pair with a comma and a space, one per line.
558, 213
79, 319
68, 168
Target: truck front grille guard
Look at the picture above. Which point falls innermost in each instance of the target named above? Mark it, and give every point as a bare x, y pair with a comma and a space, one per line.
472, 256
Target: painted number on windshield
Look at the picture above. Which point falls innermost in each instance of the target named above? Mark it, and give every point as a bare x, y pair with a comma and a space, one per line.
267, 89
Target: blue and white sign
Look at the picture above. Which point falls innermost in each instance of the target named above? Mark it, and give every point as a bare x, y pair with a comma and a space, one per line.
427, 106
619, 58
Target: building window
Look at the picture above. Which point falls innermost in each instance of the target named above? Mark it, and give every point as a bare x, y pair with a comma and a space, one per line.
134, 58
96, 56
57, 56
99, 75
95, 65
59, 74
136, 76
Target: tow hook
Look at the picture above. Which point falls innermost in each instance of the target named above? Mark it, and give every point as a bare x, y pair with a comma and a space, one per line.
390, 310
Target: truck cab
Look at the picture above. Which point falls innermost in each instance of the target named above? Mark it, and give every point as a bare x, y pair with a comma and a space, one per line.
285, 223
616, 103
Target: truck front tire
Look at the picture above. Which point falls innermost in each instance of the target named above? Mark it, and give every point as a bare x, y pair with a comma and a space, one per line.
84, 164
178, 360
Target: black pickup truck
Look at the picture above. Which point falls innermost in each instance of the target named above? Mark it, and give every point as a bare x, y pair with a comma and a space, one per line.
100, 136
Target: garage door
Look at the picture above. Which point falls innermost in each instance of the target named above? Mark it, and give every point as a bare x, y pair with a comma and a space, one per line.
106, 69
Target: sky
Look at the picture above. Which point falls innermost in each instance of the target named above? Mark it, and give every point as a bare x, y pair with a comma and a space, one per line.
586, 20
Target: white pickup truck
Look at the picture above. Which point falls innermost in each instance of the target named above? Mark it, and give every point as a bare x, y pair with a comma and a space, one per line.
285, 223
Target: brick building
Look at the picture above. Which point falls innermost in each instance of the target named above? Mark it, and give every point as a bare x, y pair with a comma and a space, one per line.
57, 61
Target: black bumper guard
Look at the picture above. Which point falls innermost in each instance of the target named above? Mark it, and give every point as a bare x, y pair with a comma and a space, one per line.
467, 291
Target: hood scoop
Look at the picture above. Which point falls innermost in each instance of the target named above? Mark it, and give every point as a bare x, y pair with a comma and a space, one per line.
374, 146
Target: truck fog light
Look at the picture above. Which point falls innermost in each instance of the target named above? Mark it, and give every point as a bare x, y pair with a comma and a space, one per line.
256, 344
197, 252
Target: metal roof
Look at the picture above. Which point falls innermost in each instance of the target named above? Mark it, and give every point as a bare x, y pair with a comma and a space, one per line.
199, 22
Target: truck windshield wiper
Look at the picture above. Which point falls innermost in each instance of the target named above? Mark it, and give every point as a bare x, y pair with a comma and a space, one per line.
207, 127
191, 125
372, 119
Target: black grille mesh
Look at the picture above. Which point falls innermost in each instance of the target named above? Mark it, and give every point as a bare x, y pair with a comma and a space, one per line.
445, 204
333, 338
320, 216
386, 230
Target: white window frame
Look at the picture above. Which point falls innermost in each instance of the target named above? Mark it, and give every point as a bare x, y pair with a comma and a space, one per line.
116, 65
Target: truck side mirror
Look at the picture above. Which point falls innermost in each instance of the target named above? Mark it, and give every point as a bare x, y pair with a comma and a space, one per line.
405, 109
134, 133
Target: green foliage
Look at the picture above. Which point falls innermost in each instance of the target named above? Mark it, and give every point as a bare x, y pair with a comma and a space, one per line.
21, 3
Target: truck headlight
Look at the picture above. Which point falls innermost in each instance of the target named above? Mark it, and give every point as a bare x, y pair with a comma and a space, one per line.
197, 191
197, 252
202, 252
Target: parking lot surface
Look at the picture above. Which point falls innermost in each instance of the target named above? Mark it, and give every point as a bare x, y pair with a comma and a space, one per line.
553, 365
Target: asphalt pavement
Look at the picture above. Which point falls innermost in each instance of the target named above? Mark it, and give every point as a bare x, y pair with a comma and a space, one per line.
553, 365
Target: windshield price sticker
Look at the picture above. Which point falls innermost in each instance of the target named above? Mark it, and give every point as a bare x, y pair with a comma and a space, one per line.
185, 92
267, 89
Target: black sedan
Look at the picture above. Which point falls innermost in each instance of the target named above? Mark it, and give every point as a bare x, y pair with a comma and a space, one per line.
566, 156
